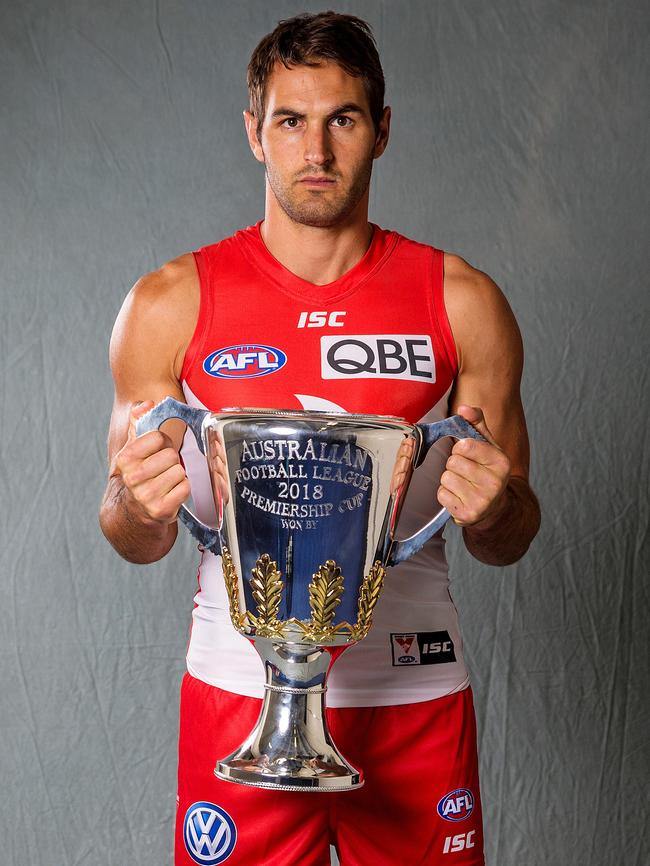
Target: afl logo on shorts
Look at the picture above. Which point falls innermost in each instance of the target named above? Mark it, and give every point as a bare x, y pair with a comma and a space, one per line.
209, 834
244, 361
457, 805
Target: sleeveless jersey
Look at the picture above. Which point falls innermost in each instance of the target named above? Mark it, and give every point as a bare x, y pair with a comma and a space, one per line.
377, 341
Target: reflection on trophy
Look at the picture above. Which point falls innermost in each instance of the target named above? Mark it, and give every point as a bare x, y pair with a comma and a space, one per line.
307, 507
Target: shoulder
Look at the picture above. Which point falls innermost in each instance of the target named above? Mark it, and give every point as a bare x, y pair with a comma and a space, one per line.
482, 322
160, 312
167, 291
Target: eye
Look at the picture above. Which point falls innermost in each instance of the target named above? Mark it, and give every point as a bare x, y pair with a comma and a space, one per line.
341, 121
290, 123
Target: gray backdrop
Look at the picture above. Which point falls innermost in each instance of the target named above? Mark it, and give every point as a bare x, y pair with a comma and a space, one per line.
519, 140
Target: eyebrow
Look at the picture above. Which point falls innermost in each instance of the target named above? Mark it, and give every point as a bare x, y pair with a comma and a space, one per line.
346, 108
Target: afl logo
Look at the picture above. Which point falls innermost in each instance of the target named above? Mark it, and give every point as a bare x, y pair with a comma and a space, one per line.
209, 834
244, 361
457, 805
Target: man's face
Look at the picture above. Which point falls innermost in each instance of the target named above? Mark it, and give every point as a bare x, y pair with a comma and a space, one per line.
317, 142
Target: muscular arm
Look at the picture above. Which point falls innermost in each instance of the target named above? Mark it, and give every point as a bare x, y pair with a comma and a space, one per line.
146, 481
494, 502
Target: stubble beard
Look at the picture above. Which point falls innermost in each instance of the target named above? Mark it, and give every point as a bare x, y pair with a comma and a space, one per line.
315, 209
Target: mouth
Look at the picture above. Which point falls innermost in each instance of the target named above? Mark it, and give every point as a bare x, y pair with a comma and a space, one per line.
318, 181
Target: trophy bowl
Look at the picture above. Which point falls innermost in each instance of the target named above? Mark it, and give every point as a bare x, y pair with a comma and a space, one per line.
307, 506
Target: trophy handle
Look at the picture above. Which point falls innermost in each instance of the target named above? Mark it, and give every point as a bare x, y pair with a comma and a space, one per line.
170, 408
459, 428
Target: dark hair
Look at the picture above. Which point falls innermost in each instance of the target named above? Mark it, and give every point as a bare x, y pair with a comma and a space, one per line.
309, 39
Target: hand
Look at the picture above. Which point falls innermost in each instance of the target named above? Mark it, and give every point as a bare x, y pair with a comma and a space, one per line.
151, 471
472, 487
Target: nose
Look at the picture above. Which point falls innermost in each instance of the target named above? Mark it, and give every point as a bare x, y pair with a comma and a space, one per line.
317, 145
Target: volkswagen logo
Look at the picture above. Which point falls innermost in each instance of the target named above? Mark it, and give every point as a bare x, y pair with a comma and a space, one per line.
209, 834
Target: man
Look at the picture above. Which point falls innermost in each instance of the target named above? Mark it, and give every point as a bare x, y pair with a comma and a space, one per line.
337, 314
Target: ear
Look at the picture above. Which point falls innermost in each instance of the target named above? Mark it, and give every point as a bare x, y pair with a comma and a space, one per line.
382, 134
250, 122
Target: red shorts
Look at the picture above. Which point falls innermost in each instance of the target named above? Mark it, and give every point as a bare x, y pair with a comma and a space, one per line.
420, 805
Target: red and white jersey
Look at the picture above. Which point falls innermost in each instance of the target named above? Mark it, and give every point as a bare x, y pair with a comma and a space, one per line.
377, 340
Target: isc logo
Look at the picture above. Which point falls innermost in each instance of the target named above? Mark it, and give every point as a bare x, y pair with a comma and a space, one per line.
244, 361
437, 646
459, 842
457, 805
320, 319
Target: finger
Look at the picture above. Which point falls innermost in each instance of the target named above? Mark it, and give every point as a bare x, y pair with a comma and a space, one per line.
466, 477
173, 500
475, 416
152, 466
449, 501
461, 487
472, 470
137, 411
151, 491
465, 503
165, 508
484, 453
137, 450
162, 460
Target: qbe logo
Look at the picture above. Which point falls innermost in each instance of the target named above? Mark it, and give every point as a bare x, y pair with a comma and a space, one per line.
209, 834
244, 361
378, 356
457, 805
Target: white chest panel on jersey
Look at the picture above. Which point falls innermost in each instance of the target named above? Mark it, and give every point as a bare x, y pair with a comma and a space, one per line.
414, 649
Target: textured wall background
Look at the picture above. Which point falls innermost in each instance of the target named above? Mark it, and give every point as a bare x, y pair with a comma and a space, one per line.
520, 141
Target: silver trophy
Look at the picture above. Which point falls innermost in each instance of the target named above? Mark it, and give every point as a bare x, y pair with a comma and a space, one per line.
307, 506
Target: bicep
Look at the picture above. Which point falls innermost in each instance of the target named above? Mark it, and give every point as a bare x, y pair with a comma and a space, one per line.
142, 365
490, 354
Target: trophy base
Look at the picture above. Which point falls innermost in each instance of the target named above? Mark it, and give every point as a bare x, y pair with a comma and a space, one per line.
308, 777
290, 747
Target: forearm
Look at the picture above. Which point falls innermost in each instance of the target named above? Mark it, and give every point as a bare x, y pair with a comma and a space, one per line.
136, 538
504, 537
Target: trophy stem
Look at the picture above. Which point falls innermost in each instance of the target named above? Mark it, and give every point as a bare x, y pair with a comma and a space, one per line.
290, 747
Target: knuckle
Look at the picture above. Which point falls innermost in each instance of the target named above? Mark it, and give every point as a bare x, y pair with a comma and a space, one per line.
502, 460
179, 473
158, 511
158, 439
131, 477
171, 455
155, 512
151, 439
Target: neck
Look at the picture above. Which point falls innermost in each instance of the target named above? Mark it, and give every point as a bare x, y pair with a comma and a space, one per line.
318, 255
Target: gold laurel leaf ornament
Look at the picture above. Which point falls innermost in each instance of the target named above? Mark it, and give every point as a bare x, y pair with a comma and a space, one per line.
232, 588
266, 586
325, 591
368, 598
